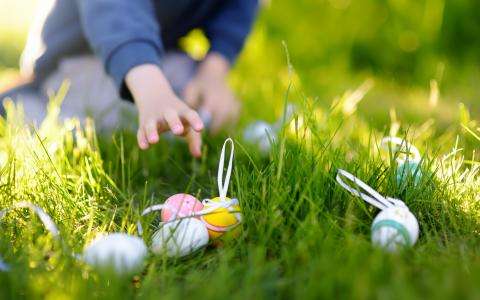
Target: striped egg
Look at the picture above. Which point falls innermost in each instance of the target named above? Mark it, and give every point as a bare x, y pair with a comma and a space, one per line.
395, 227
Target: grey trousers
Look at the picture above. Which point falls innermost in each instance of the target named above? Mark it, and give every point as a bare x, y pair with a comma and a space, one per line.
92, 92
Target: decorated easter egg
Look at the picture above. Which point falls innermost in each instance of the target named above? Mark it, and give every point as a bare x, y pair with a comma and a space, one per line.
180, 237
180, 206
395, 227
120, 252
224, 218
409, 169
260, 133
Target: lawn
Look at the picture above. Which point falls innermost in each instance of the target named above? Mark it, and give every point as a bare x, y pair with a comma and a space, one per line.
357, 71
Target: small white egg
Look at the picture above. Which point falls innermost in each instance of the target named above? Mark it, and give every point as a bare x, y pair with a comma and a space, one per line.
395, 227
121, 252
260, 133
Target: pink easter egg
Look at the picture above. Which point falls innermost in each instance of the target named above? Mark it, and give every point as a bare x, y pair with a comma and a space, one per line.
180, 206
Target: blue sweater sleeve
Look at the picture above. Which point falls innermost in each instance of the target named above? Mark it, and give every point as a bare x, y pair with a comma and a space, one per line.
123, 33
229, 27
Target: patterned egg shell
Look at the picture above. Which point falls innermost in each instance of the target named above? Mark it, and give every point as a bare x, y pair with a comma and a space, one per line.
395, 227
222, 219
180, 206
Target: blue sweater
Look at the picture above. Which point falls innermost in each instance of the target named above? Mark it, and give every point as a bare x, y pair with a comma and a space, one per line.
127, 33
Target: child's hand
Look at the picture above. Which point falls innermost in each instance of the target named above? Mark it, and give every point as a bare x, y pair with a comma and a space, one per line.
209, 91
159, 110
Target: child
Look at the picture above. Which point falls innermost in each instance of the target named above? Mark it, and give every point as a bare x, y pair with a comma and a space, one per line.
136, 43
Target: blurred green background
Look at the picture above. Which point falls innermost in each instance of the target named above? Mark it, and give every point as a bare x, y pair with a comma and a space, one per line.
334, 46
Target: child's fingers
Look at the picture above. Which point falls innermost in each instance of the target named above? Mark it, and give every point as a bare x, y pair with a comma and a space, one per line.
142, 140
194, 140
174, 122
193, 119
151, 131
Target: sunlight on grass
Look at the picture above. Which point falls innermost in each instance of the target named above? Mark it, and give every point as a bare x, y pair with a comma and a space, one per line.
288, 199
361, 73
56, 165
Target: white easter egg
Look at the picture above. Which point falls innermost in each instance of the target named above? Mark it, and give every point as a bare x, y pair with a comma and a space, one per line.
180, 237
260, 133
395, 227
121, 252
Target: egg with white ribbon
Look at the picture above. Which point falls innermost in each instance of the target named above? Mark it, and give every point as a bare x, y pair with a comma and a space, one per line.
395, 226
222, 214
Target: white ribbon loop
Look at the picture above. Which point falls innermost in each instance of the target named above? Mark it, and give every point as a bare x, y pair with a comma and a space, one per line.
365, 192
223, 185
401, 146
150, 209
146, 211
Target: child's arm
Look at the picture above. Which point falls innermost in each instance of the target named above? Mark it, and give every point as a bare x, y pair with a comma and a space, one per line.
226, 30
229, 27
125, 34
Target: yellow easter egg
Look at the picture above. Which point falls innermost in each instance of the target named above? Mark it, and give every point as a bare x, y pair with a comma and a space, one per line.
222, 219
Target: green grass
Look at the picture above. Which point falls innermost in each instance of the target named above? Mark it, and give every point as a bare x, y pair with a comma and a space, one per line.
303, 236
